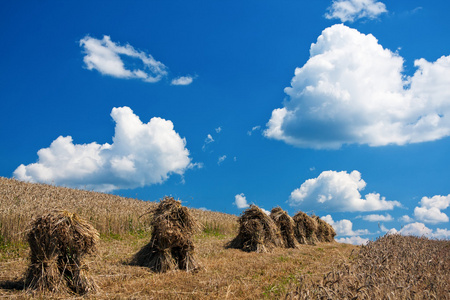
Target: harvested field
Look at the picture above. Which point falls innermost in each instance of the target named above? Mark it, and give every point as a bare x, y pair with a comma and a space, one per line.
392, 267
414, 264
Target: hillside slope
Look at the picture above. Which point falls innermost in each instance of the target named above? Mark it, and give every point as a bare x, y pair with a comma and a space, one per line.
393, 266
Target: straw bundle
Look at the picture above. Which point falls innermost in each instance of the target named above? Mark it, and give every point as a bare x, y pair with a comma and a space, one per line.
286, 227
58, 241
305, 229
257, 232
325, 232
171, 245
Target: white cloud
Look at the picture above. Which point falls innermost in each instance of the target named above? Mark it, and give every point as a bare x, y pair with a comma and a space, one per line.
378, 218
430, 209
352, 91
351, 10
417, 229
387, 230
355, 240
105, 57
254, 128
240, 201
182, 80
441, 234
406, 219
221, 159
208, 140
338, 191
140, 155
343, 227
265, 211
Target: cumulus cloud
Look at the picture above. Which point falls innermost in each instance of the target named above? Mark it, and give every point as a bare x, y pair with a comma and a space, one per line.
355, 240
240, 201
378, 218
352, 10
182, 80
344, 227
338, 191
141, 154
406, 219
352, 91
429, 210
419, 229
442, 233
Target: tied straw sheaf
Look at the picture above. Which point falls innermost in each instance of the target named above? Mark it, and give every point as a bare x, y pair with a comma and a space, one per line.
259, 232
58, 242
171, 246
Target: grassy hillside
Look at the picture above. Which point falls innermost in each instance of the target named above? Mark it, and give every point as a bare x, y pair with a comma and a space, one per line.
333, 270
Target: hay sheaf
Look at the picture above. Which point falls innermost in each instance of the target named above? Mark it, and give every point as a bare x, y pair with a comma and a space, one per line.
305, 229
58, 242
171, 246
286, 227
325, 232
257, 232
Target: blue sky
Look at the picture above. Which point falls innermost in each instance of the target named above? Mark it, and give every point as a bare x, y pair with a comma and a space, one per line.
339, 108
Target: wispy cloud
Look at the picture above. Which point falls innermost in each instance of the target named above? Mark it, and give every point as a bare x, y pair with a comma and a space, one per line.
352, 91
255, 128
141, 154
208, 140
183, 80
378, 218
352, 10
221, 159
105, 56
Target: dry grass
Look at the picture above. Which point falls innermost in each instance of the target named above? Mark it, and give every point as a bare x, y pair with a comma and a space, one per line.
171, 245
286, 227
58, 242
392, 267
305, 228
21, 202
257, 232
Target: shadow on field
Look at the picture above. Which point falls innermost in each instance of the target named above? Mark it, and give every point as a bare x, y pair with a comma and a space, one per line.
18, 285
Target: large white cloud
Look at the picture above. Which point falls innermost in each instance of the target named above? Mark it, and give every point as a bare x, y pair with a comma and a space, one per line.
338, 191
105, 57
141, 154
344, 227
429, 210
351, 10
352, 91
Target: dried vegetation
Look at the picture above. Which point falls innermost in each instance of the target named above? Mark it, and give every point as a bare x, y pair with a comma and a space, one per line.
392, 267
257, 232
58, 242
171, 246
